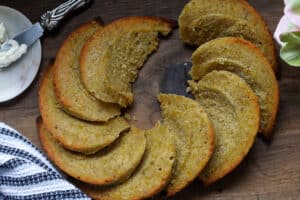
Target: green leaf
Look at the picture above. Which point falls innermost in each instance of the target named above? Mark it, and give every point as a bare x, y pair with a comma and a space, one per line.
290, 53
290, 37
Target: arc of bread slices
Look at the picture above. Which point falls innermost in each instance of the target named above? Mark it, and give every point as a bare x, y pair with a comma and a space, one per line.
194, 136
201, 19
111, 58
112, 165
151, 176
244, 59
69, 89
75, 134
234, 110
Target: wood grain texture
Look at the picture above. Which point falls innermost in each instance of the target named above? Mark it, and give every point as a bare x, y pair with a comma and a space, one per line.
270, 171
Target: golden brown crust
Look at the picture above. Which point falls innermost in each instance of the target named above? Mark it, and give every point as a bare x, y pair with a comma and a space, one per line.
134, 20
268, 131
236, 128
230, 168
152, 175
270, 36
194, 135
211, 139
236, 10
68, 88
247, 61
101, 39
72, 133
103, 168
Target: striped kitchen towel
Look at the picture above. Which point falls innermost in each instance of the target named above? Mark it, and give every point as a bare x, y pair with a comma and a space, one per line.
26, 174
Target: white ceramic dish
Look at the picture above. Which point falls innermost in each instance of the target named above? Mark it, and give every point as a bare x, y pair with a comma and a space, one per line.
16, 78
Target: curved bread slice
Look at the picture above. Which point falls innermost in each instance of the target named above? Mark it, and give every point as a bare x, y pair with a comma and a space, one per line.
151, 176
72, 133
223, 26
202, 20
244, 59
194, 138
234, 110
67, 84
111, 58
111, 165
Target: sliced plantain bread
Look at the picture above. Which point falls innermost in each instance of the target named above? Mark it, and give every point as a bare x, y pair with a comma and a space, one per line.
111, 58
234, 110
202, 20
69, 90
194, 136
151, 176
244, 59
72, 133
112, 165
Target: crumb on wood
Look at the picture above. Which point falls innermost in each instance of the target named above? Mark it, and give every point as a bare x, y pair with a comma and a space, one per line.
188, 90
127, 116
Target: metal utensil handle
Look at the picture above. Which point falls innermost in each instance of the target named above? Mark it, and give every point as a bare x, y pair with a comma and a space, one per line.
51, 19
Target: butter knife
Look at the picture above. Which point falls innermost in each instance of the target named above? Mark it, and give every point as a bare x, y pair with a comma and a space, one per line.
49, 21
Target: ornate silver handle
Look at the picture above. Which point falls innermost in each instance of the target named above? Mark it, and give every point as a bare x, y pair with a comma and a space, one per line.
51, 19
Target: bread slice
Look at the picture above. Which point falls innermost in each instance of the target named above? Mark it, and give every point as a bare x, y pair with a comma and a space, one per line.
111, 58
152, 175
194, 136
234, 110
203, 20
111, 165
223, 25
69, 90
72, 133
244, 59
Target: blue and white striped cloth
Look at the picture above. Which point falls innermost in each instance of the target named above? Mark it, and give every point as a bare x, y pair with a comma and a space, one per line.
26, 174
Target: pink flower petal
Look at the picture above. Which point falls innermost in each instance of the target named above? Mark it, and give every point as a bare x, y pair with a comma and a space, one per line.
292, 15
285, 25
286, 2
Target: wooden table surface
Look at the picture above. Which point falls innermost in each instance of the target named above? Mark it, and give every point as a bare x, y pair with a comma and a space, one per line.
270, 171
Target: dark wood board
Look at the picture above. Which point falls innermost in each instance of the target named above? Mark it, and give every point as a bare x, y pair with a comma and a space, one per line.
270, 171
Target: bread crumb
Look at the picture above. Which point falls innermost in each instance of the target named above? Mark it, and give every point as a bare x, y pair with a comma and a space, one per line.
127, 116
188, 90
134, 118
